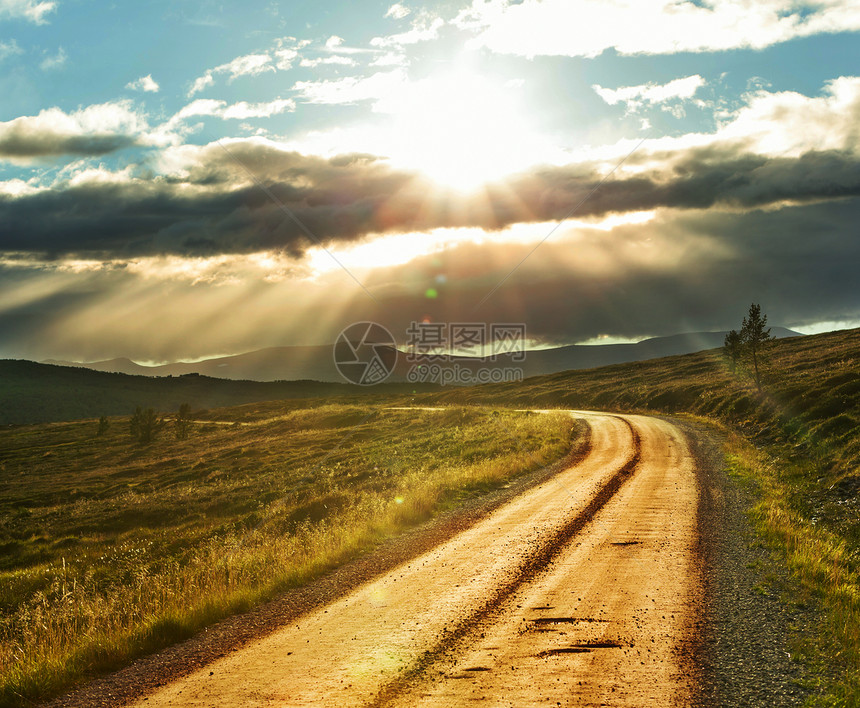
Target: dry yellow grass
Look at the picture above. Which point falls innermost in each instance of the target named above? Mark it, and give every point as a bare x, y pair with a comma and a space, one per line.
111, 550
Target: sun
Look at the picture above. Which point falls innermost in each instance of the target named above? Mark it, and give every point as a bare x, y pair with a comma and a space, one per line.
461, 129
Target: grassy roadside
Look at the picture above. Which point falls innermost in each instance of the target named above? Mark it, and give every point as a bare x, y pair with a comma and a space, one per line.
109, 550
823, 563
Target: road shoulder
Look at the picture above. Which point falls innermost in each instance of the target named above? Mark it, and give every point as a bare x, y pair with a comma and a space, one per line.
747, 629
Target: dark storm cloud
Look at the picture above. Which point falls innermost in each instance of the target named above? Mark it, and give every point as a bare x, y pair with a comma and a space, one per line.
341, 199
24, 144
694, 271
690, 270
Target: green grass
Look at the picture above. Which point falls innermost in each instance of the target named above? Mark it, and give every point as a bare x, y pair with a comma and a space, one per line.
822, 561
109, 550
798, 440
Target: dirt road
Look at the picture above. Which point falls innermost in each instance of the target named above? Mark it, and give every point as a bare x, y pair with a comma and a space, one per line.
581, 591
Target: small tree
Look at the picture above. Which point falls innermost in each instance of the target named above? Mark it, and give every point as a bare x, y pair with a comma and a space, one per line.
733, 347
182, 424
755, 334
104, 424
145, 425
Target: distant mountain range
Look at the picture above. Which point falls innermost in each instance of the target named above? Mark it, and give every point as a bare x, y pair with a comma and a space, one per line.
316, 363
31, 392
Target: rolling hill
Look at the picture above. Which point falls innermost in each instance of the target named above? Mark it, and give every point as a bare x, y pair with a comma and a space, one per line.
42, 393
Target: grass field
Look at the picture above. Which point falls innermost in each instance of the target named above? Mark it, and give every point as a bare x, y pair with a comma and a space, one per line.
109, 549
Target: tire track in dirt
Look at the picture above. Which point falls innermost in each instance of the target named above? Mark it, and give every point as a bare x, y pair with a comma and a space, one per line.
533, 564
610, 620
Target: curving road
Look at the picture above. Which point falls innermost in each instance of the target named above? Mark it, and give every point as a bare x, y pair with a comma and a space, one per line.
581, 591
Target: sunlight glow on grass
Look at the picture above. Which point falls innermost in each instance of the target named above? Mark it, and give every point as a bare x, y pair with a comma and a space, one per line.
118, 550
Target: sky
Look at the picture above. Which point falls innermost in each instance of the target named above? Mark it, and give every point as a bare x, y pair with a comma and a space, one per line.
186, 179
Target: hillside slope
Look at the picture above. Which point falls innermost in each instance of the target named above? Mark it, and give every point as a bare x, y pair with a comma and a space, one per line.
42, 393
810, 397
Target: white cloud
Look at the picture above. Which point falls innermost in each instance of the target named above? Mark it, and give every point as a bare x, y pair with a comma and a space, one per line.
243, 110
56, 61
200, 83
636, 96
352, 89
94, 130
144, 83
338, 60
423, 30
397, 11
31, 10
10, 48
248, 65
779, 124
390, 59
789, 123
285, 59
201, 107
238, 111
333, 42
17, 188
676, 109
588, 27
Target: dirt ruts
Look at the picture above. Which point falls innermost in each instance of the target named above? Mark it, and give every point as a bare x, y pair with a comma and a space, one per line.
464, 619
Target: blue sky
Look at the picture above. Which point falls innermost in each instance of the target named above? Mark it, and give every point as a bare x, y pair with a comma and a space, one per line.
179, 180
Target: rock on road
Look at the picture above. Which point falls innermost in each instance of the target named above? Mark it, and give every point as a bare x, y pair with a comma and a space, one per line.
581, 591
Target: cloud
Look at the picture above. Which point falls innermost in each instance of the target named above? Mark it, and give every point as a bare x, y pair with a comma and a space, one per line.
31, 10
636, 96
333, 42
91, 131
681, 271
397, 11
144, 83
247, 65
587, 28
238, 111
209, 204
390, 59
202, 200
285, 59
333, 60
56, 61
352, 89
788, 122
424, 29
9, 49
201, 83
